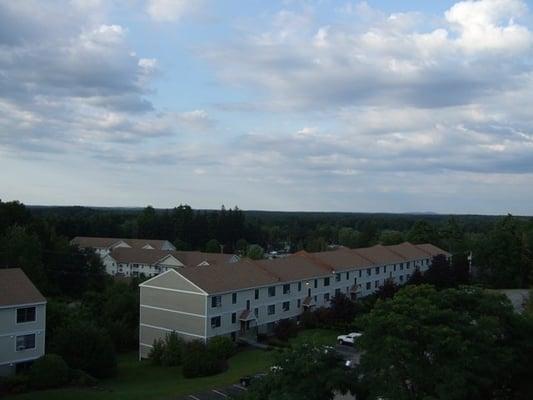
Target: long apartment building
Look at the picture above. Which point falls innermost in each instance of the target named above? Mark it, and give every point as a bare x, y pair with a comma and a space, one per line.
251, 296
145, 257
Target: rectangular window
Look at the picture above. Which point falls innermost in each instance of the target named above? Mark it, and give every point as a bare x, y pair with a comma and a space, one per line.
326, 281
286, 288
368, 285
368, 271
271, 291
377, 270
299, 303
299, 286
376, 284
271, 309
256, 294
326, 296
337, 277
233, 318
286, 305
234, 298
401, 267
360, 273
337, 292
216, 301
408, 264
26, 342
394, 267
347, 276
215, 322
256, 312
384, 269
316, 283
26, 314
401, 278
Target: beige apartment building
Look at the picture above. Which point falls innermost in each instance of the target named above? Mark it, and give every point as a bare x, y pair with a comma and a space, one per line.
249, 297
22, 321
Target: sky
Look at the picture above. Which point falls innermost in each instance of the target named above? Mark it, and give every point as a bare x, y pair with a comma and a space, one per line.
376, 106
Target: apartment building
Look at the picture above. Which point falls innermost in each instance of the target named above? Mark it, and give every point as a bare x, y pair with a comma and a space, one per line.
248, 297
22, 321
103, 246
131, 262
146, 257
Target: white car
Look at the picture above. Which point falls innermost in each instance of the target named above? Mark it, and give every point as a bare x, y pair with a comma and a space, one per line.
349, 338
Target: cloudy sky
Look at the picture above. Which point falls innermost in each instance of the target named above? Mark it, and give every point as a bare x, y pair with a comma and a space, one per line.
279, 105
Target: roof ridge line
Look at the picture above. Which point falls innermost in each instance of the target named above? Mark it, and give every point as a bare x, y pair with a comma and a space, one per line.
316, 261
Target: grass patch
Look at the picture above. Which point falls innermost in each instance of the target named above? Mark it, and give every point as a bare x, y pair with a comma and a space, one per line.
144, 381
325, 337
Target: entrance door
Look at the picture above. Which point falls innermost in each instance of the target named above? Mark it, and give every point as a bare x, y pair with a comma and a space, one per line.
309, 292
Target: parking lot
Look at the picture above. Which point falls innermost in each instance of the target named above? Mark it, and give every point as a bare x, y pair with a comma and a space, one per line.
229, 392
234, 391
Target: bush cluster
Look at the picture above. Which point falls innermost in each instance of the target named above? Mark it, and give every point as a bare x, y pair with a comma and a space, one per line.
48, 372
196, 357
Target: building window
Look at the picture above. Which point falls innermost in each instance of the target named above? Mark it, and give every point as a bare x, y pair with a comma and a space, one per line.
347, 276
394, 267
233, 318
401, 278
271, 291
401, 267
326, 281
376, 284
215, 322
299, 286
216, 301
408, 264
337, 277
256, 294
234, 298
377, 270
337, 292
286, 305
286, 288
256, 312
326, 296
384, 269
368, 285
26, 314
369, 271
26, 342
360, 273
316, 283
298, 303
271, 309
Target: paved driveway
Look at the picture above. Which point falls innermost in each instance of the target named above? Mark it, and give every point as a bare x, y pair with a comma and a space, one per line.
229, 392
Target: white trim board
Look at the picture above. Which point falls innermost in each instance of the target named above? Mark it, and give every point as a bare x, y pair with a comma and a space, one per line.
173, 290
172, 311
171, 330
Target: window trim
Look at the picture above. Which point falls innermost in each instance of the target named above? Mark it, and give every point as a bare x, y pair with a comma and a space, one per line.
17, 350
219, 322
26, 308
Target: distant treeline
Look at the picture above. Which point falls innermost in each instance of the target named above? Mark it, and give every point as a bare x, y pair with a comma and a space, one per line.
501, 245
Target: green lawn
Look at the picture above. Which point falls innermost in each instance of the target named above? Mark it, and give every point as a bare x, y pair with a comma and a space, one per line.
141, 380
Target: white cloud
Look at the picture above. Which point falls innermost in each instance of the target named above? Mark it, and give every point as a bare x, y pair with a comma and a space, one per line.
171, 10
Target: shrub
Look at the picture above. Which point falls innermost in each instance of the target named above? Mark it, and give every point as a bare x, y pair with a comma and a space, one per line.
285, 328
49, 371
221, 347
14, 384
309, 320
262, 337
197, 361
172, 350
81, 378
87, 347
157, 351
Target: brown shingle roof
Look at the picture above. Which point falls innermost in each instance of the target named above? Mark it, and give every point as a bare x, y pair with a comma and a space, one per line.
432, 250
226, 277
379, 255
103, 242
17, 289
342, 259
408, 250
295, 267
146, 256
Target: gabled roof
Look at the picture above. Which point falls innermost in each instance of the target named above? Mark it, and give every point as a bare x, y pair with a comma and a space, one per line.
146, 256
103, 242
294, 268
342, 259
432, 250
220, 278
17, 289
409, 251
379, 255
